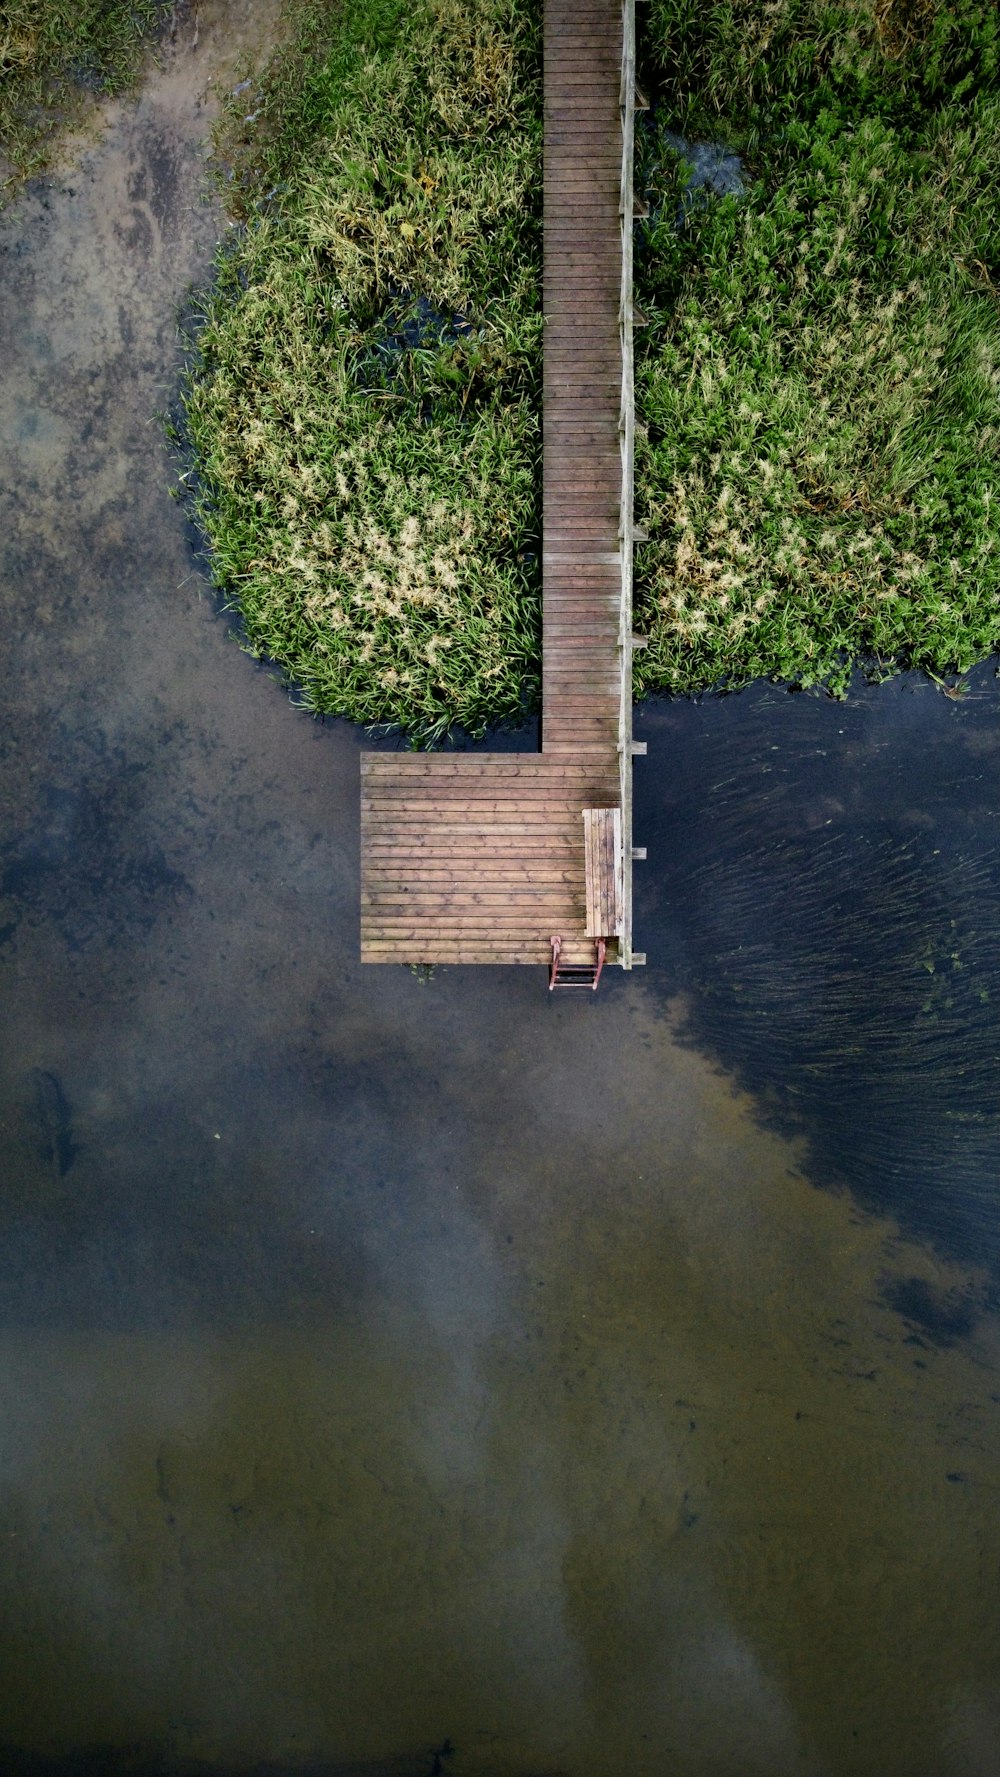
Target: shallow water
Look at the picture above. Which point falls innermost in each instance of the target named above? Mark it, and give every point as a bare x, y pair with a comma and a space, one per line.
390, 1365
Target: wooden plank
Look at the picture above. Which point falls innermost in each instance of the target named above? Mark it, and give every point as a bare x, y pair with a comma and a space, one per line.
477, 814
426, 841
403, 865
573, 789
576, 333
454, 947
600, 375
460, 767
503, 918
570, 704
583, 66
505, 793
465, 878
431, 842
560, 638
400, 861
595, 725
513, 783
594, 663
404, 829
498, 917
602, 828
501, 905
379, 820
507, 789
483, 933
580, 581
591, 53
405, 871
409, 881
400, 864
400, 867
581, 586
579, 685
577, 748
426, 890
565, 324
476, 946
441, 882
593, 209
476, 804
603, 378
423, 898
569, 352
562, 835
590, 658
581, 605
473, 945
509, 792
580, 681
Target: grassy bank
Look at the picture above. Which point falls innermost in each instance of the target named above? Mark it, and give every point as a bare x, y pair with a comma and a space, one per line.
818, 392
52, 53
820, 389
364, 409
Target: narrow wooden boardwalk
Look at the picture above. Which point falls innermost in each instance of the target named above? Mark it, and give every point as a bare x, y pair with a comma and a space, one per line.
480, 857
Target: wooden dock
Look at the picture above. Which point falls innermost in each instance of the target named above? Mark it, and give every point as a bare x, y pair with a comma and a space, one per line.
486, 857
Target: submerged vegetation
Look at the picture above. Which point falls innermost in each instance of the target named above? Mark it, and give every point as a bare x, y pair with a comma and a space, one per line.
819, 438
51, 52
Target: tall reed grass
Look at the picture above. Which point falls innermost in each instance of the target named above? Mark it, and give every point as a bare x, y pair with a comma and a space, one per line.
364, 408
820, 457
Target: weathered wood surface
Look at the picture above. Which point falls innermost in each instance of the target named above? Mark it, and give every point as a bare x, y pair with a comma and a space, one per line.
483, 858
602, 844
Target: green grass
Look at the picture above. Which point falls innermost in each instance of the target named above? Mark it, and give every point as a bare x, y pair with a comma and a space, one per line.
818, 394
364, 406
820, 391
51, 53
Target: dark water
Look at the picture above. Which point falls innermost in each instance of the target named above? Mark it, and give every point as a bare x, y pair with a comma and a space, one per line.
400, 1375
833, 915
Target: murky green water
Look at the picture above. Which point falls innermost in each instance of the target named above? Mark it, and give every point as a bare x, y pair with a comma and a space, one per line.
393, 1367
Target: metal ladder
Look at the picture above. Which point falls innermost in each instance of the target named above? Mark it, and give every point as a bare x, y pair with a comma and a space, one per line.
576, 974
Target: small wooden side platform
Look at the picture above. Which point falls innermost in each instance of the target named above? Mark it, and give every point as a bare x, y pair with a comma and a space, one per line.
485, 858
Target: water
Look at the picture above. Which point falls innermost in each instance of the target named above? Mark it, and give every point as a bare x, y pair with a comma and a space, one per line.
394, 1366
832, 914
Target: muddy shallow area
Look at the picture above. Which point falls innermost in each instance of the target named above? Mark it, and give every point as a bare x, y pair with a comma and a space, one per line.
409, 1375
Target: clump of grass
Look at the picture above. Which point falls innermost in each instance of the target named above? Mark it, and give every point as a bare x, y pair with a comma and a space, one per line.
51, 53
819, 462
364, 405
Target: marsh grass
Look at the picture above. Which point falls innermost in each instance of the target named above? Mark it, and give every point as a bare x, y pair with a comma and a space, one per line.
363, 407
820, 456
818, 395
52, 52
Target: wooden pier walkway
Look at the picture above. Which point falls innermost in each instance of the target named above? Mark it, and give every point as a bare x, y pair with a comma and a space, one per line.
486, 857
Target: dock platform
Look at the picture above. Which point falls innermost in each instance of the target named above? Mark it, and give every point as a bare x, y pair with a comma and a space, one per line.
487, 857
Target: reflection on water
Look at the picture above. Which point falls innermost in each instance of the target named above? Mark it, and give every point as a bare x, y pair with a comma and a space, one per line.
404, 1375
